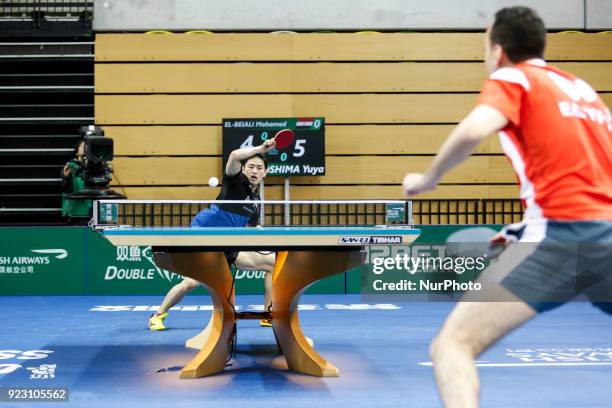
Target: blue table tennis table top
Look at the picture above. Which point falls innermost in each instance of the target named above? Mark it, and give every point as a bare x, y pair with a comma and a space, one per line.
263, 237
258, 231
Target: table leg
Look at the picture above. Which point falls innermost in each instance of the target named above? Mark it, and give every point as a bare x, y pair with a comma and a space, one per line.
198, 341
211, 269
293, 273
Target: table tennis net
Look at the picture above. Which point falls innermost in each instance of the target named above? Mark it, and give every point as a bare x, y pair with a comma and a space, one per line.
166, 213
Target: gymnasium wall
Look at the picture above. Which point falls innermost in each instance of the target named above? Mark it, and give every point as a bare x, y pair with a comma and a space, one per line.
389, 101
297, 15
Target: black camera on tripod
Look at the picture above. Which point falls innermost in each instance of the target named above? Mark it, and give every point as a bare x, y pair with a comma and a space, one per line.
96, 171
98, 151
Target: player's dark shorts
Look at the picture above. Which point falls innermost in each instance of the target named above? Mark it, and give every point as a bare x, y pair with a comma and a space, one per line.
217, 217
571, 259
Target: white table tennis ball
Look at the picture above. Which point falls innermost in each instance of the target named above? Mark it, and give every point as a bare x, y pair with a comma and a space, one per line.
213, 182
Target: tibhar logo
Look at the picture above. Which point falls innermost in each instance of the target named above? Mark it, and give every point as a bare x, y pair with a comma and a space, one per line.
375, 239
61, 253
388, 239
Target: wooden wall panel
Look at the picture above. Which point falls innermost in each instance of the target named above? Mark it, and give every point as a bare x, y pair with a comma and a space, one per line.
165, 140
319, 192
332, 47
340, 140
340, 170
317, 78
287, 77
336, 108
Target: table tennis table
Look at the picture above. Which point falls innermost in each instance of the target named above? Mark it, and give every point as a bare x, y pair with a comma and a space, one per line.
305, 254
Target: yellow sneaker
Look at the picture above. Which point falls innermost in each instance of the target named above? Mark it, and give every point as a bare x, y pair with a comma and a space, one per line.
156, 321
265, 323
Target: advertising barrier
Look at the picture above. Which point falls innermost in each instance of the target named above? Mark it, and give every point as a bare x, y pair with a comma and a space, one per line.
42, 261
79, 261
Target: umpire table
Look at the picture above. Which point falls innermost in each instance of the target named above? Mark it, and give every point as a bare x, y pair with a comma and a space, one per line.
305, 254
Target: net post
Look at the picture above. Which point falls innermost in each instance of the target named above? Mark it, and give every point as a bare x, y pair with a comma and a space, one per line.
95, 212
408, 213
287, 204
262, 209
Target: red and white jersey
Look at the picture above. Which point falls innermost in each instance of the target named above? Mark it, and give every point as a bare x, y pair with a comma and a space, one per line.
558, 138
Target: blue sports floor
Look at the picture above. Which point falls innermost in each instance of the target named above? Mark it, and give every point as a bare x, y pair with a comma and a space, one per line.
110, 358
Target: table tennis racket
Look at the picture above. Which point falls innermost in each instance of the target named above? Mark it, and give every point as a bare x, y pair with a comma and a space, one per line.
284, 138
473, 242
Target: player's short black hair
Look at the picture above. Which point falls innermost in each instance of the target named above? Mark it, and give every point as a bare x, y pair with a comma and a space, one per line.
263, 157
521, 33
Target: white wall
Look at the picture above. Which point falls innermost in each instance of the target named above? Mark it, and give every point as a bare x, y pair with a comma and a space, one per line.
599, 14
271, 15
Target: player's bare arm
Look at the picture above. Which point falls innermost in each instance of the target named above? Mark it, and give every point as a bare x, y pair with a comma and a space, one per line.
472, 130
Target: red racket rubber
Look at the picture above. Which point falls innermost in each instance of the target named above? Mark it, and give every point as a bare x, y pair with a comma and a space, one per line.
284, 138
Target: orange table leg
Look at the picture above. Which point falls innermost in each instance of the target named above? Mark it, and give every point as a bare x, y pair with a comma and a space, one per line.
211, 269
293, 273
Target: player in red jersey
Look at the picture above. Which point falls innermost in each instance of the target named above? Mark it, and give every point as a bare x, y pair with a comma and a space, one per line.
557, 133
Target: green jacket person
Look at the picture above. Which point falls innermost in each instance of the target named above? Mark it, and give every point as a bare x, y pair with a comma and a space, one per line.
73, 182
